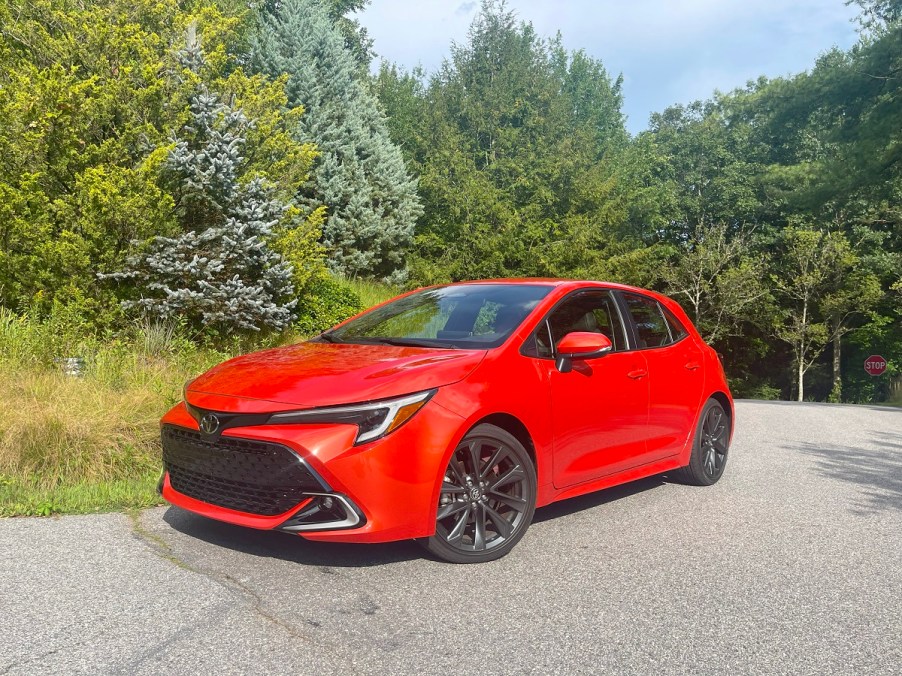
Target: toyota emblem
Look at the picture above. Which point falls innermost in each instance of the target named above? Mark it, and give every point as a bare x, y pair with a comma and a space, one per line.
209, 423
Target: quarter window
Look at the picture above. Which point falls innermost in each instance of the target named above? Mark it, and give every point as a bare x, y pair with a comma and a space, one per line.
676, 329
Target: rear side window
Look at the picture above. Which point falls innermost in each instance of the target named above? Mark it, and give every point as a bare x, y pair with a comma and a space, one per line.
652, 328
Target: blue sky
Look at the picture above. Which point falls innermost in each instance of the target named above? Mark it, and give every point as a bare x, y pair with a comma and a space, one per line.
669, 51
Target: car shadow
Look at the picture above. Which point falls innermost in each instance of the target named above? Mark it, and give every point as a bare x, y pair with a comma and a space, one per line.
878, 471
288, 547
564, 508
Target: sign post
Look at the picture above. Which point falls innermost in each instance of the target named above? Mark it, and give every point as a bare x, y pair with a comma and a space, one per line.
875, 365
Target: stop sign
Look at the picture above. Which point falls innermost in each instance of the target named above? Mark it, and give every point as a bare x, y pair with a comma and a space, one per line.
875, 365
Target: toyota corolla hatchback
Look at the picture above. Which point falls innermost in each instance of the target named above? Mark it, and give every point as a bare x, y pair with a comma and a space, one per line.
449, 414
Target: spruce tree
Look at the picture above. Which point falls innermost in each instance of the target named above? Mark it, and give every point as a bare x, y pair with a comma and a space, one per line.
220, 272
360, 175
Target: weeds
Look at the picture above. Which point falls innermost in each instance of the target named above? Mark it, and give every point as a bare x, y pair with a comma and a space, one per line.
370, 292
75, 444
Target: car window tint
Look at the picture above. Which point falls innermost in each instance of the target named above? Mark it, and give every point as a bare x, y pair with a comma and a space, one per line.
465, 315
593, 311
677, 330
651, 327
541, 342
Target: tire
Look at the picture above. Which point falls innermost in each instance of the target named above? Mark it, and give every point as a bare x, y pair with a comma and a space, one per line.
710, 447
487, 500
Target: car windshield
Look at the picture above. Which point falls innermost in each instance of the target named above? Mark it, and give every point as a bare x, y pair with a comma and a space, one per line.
470, 316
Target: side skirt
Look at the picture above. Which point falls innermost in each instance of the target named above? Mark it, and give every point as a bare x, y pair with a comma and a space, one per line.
631, 474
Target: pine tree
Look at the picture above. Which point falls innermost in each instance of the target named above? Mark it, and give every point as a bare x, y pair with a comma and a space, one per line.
220, 272
360, 175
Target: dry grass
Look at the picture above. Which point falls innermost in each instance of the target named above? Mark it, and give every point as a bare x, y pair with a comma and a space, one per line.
58, 429
74, 444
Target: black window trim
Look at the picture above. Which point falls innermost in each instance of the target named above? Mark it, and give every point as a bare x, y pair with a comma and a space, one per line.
634, 334
672, 321
543, 323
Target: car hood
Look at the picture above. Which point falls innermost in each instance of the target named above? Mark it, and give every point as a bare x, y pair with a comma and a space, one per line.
309, 375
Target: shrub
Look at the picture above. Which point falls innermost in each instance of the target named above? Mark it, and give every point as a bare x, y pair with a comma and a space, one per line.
327, 302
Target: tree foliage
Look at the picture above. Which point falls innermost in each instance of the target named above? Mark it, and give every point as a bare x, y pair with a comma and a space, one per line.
91, 96
360, 175
516, 142
721, 280
220, 272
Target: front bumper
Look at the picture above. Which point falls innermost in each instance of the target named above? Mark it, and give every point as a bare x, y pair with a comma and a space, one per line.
376, 492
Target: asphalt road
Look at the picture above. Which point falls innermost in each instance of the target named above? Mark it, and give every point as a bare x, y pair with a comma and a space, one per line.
791, 564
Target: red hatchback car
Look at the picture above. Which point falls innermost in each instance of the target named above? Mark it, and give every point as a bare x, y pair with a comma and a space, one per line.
450, 413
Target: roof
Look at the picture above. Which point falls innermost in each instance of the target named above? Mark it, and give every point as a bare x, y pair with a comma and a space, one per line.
551, 281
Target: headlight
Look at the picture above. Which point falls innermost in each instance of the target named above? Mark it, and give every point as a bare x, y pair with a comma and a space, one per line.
373, 420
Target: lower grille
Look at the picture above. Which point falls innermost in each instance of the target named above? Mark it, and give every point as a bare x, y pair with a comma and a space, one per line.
257, 477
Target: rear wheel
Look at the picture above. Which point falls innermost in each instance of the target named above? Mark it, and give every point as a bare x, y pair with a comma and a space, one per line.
487, 498
709, 448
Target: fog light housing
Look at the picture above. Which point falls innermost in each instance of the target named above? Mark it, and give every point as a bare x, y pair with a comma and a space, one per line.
325, 511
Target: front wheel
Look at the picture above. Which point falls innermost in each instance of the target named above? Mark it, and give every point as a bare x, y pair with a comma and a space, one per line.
709, 448
487, 498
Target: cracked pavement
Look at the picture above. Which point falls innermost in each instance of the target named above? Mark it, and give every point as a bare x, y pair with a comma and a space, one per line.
791, 564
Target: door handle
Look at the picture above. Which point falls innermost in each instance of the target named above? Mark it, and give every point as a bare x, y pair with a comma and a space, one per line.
638, 373
693, 365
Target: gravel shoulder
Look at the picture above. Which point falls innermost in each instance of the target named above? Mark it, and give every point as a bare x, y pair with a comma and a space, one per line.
792, 563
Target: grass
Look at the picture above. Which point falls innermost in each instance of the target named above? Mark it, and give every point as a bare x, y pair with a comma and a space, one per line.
370, 292
91, 443
25, 498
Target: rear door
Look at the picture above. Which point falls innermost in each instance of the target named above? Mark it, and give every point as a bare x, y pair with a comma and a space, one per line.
675, 373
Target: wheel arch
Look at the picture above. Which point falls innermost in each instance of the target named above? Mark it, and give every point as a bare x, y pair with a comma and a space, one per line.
508, 422
721, 398
727, 403
515, 427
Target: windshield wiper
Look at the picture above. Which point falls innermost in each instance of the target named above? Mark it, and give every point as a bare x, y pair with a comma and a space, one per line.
327, 338
408, 342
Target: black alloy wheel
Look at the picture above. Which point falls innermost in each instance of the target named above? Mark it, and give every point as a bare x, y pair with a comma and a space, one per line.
710, 447
487, 498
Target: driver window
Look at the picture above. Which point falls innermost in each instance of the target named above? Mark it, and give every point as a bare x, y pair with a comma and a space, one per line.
594, 312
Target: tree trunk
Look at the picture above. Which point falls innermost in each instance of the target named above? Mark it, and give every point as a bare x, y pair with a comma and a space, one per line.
801, 354
836, 391
895, 390
801, 381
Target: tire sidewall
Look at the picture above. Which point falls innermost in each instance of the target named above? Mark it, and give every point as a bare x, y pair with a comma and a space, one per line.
696, 462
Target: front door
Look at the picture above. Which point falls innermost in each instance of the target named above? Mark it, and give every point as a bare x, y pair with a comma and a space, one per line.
600, 408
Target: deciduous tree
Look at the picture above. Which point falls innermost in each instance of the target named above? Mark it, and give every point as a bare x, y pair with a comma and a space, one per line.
722, 280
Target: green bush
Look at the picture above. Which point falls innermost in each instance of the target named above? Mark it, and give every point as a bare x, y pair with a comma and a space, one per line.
326, 302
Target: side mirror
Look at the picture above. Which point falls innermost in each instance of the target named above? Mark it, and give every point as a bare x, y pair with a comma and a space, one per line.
580, 345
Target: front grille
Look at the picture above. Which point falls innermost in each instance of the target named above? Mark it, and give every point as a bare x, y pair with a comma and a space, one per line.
257, 477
